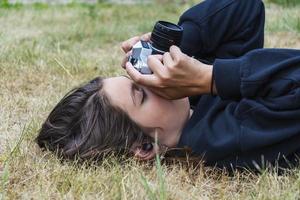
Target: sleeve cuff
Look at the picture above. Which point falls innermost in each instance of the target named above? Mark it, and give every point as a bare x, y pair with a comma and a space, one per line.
226, 73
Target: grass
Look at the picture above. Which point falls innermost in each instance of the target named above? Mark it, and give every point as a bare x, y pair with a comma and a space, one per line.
47, 50
286, 2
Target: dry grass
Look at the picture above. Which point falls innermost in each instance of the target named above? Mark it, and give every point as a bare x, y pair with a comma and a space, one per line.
45, 51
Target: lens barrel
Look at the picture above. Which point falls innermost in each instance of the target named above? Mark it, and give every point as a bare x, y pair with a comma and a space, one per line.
164, 35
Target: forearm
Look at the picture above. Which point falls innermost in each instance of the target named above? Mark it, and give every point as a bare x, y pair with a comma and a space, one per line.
265, 73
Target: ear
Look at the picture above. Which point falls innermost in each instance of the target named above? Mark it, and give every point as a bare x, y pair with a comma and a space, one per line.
142, 154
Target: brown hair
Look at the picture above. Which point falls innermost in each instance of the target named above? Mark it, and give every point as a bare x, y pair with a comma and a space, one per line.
85, 125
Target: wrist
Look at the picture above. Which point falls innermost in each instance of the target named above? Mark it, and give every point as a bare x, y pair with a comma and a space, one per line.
205, 79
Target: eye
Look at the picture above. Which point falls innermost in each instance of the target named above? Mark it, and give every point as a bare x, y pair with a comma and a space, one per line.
141, 92
144, 95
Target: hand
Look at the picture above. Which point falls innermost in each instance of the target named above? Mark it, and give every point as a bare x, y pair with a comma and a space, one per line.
128, 44
175, 75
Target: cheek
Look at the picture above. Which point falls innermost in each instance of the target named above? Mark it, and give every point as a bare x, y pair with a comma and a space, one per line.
166, 111
158, 109
161, 104
152, 113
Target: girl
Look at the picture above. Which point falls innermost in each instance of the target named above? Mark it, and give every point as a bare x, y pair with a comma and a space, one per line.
240, 110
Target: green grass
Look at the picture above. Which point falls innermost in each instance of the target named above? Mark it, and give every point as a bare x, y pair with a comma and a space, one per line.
286, 2
47, 50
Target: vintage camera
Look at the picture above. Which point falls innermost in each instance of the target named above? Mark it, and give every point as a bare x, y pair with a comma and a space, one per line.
163, 36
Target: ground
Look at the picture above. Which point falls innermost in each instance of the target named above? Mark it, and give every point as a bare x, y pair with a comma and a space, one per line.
47, 50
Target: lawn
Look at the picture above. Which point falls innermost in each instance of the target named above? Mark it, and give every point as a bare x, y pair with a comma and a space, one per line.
47, 50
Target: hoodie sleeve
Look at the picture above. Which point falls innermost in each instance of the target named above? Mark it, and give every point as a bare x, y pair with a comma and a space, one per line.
260, 74
255, 118
223, 28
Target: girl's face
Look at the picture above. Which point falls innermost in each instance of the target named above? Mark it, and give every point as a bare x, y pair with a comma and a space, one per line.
151, 112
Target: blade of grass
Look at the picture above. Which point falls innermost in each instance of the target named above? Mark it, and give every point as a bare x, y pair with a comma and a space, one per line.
150, 193
160, 175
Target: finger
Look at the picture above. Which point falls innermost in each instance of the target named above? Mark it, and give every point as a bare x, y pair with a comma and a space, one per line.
160, 92
128, 44
158, 56
125, 59
167, 59
143, 79
175, 53
157, 91
156, 65
146, 37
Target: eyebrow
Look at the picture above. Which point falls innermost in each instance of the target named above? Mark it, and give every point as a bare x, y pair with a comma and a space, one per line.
131, 90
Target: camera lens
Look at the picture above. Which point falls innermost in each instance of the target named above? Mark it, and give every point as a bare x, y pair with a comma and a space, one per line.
164, 35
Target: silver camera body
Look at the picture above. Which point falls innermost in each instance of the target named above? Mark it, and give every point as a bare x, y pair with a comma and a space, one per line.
164, 35
139, 56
